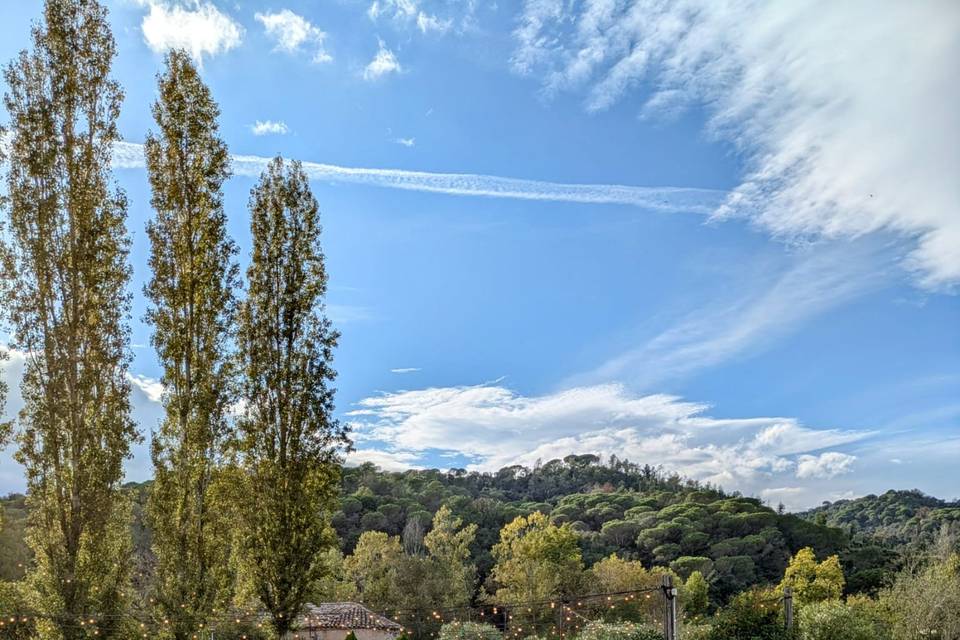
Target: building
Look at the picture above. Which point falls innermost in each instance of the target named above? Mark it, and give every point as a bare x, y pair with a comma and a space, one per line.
334, 620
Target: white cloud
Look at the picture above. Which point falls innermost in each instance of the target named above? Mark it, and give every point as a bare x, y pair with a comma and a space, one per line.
411, 12
383, 63
846, 126
497, 427
427, 23
151, 387
406, 142
146, 412
269, 127
826, 465
293, 32
391, 461
129, 155
405, 370
199, 27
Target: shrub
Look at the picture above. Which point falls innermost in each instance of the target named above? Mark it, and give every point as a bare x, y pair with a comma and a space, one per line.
835, 620
12, 600
696, 632
469, 631
619, 631
749, 616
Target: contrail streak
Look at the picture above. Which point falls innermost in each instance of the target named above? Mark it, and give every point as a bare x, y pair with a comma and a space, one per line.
129, 155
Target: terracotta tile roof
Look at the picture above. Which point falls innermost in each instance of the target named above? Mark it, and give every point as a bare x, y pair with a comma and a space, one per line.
344, 615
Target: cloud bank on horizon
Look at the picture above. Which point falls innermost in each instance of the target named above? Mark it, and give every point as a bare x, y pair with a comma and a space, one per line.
494, 427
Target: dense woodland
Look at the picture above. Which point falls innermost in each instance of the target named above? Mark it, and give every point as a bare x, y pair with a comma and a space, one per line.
408, 543
897, 517
250, 513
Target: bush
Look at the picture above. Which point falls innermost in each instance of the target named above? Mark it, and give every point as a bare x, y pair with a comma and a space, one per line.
12, 600
696, 632
835, 620
619, 631
469, 631
749, 616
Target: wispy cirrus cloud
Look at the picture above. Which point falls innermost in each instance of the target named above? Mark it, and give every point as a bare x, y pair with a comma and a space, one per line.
405, 370
414, 13
846, 126
198, 27
129, 155
293, 33
741, 320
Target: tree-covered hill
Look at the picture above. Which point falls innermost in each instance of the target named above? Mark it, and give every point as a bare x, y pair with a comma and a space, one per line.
636, 511
897, 517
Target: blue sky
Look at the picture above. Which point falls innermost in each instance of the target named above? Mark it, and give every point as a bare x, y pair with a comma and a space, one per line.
722, 237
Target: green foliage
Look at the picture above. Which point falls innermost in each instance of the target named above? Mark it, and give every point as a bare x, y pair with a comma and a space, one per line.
448, 546
900, 517
615, 507
351, 636
613, 575
836, 620
385, 576
13, 601
813, 581
731, 575
686, 565
63, 289
924, 600
192, 313
749, 616
619, 631
373, 570
469, 631
536, 560
15, 555
695, 595
289, 440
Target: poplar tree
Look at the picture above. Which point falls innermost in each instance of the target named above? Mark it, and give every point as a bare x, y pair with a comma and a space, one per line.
290, 441
192, 312
67, 302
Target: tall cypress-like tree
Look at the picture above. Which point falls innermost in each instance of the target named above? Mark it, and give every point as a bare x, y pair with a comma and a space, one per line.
67, 302
192, 312
289, 438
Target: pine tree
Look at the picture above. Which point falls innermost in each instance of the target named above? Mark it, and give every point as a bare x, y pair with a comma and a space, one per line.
67, 302
289, 439
192, 312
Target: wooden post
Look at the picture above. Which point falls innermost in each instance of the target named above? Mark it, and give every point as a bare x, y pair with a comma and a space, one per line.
670, 607
788, 607
563, 605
